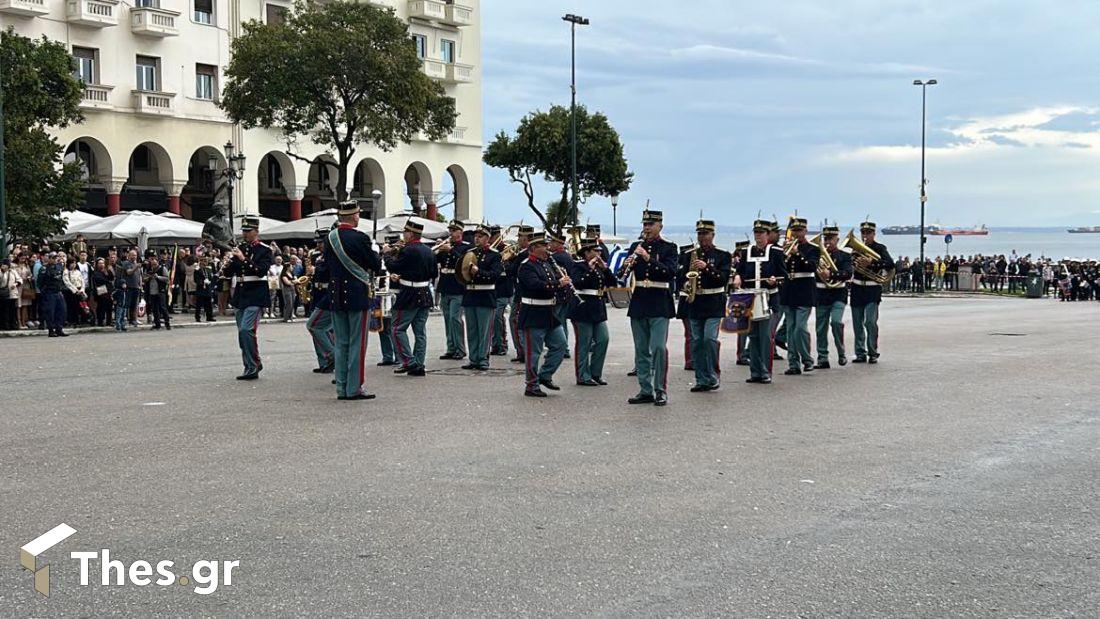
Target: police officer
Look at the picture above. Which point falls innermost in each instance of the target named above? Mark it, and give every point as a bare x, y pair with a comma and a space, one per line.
832, 296
384, 293
867, 294
51, 300
590, 276
319, 323
797, 297
512, 268
249, 262
352, 264
682, 305
451, 291
705, 312
539, 284
761, 269
411, 270
504, 289
479, 302
653, 263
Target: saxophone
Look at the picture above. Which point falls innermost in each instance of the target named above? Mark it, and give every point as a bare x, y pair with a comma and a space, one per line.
691, 286
303, 286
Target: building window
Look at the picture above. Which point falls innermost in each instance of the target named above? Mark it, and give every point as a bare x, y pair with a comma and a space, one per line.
206, 82
274, 178
148, 73
147, 3
447, 50
140, 159
204, 11
276, 14
84, 64
421, 45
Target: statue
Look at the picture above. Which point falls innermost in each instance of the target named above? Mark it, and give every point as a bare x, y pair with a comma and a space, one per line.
219, 228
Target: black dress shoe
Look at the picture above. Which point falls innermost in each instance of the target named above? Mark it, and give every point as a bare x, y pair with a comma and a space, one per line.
765, 381
822, 365
700, 388
549, 384
517, 360
641, 398
754, 379
401, 370
459, 356
358, 396
469, 366
52, 334
62, 333
599, 381
419, 371
535, 393
859, 360
661, 399
782, 345
807, 368
689, 368
742, 362
793, 372
587, 383
383, 364
872, 360
252, 376
632, 373
842, 361
446, 356
324, 370
567, 356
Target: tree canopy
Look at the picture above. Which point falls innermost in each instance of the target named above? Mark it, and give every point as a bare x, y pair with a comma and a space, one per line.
542, 147
39, 91
339, 73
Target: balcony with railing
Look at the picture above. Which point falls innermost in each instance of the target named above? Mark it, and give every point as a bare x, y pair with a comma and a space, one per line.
456, 136
154, 22
96, 97
459, 73
94, 13
458, 15
26, 8
154, 103
432, 10
436, 69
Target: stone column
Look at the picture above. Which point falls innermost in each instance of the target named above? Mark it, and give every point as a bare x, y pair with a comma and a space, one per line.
114, 194
432, 211
174, 189
295, 195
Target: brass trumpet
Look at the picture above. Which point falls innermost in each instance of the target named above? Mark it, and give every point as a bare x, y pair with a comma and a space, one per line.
442, 246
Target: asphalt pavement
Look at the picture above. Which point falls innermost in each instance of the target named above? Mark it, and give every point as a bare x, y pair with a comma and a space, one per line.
958, 477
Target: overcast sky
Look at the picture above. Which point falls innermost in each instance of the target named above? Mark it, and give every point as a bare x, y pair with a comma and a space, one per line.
733, 107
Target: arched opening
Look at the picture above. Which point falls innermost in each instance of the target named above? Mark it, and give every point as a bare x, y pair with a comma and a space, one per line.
419, 188
95, 163
203, 179
456, 191
148, 169
275, 177
320, 193
368, 176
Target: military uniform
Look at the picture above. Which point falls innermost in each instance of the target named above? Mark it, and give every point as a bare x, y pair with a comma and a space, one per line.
649, 311
592, 231
479, 302
742, 338
384, 294
414, 268
319, 323
450, 295
754, 268
250, 296
504, 289
830, 304
563, 259
352, 263
866, 295
589, 318
512, 268
538, 287
797, 299
705, 313
681, 301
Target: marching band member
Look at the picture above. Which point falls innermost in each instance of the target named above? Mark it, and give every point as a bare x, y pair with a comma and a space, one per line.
866, 296
681, 301
352, 263
505, 288
451, 291
385, 289
538, 284
705, 312
779, 335
592, 233
590, 276
479, 301
832, 296
560, 255
319, 323
742, 338
249, 262
512, 268
761, 268
412, 269
653, 262
797, 297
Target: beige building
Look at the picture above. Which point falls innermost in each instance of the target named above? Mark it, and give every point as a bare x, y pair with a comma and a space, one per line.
153, 134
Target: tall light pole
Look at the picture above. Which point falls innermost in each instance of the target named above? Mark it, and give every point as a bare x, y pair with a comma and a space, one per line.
923, 179
3, 194
574, 21
614, 215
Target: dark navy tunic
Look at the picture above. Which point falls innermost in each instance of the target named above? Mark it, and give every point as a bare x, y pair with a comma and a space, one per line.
414, 263
346, 292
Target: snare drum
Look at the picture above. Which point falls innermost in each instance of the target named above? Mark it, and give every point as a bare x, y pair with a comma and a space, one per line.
761, 309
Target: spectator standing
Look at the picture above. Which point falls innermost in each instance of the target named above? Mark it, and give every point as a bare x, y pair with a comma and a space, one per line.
273, 274
26, 298
156, 293
286, 287
11, 287
74, 292
102, 284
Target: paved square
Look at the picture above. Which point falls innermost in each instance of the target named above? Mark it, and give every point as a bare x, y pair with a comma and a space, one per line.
956, 478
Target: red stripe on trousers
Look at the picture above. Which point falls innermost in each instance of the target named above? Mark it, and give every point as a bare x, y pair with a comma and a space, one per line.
362, 351
527, 355
396, 341
576, 351
256, 340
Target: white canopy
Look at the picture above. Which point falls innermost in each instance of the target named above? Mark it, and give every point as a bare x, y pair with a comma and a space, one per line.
132, 224
307, 227
75, 220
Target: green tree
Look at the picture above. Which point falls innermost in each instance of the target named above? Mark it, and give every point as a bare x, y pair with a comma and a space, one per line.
340, 73
542, 146
39, 91
559, 215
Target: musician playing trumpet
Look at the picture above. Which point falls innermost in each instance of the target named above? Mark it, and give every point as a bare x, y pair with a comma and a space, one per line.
479, 301
832, 296
761, 269
867, 294
709, 267
451, 290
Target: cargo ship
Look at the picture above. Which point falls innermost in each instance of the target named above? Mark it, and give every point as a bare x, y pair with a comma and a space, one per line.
1085, 230
909, 229
979, 231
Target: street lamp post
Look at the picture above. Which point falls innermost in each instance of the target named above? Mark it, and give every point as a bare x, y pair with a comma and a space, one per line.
923, 179
375, 198
233, 172
614, 215
574, 21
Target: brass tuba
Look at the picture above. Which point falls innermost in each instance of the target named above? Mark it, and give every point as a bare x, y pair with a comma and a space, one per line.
827, 267
862, 256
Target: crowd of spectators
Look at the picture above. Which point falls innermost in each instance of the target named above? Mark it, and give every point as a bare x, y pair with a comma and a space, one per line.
1069, 280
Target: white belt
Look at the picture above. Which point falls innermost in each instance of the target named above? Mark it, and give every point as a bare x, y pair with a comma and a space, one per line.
710, 291
645, 283
802, 275
481, 286
865, 282
406, 283
589, 292
447, 271
251, 278
529, 301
